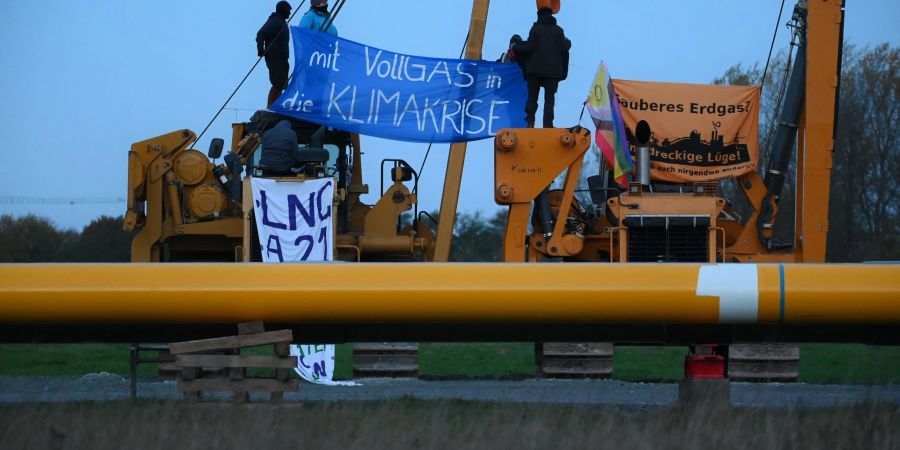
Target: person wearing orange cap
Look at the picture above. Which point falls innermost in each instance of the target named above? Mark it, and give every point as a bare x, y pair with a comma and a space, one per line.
546, 63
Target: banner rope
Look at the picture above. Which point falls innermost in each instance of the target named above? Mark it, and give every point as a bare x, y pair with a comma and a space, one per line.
333, 15
762, 83
462, 52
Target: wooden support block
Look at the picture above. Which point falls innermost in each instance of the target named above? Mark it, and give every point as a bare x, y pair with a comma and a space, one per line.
239, 395
247, 385
597, 349
764, 362
265, 362
764, 352
189, 373
385, 363
251, 327
232, 342
221, 367
385, 359
574, 359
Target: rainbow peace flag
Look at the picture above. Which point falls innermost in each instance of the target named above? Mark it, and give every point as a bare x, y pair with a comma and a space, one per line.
603, 106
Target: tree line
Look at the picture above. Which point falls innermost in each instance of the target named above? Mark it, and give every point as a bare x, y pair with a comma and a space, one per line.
36, 239
863, 211
32, 238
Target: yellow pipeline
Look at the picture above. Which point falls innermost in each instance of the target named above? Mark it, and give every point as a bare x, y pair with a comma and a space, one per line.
422, 293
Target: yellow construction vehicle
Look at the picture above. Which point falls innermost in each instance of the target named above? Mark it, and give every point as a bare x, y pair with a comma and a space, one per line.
655, 222
619, 227
187, 208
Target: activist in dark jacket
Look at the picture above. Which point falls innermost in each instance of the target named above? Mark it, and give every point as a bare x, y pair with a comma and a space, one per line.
279, 149
272, 41
546, 54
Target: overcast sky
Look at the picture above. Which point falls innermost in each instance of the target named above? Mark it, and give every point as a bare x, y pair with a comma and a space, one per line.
83, 80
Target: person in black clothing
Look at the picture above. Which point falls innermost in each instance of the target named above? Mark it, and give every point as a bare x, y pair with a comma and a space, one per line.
272, 41
546, 54
279, 149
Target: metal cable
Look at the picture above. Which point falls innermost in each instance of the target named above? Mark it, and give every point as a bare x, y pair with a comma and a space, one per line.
216, 116
332, 15
771, 46
780, 98
422, 166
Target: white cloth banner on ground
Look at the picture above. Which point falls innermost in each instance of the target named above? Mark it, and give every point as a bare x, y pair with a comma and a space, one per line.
294, 223
294, 219
315, 363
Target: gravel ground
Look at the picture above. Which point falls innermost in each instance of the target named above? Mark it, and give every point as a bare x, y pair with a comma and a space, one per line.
104, 386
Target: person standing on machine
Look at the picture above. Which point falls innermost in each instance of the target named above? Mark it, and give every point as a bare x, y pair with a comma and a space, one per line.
272, 42
546, 54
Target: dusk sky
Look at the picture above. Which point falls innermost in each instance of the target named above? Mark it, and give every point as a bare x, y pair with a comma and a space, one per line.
83, 80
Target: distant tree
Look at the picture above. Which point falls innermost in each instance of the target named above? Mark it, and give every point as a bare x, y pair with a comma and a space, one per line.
769, 108
33, 239
103, 240
773, 90
478, 238
863, 210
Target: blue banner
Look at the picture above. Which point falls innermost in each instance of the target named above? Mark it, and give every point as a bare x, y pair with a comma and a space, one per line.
357, 88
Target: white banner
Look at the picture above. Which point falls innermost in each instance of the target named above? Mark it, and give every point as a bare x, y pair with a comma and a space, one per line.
294, 223
315, 363
294, 219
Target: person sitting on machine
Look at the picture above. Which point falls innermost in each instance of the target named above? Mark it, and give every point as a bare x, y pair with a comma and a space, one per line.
279, 146
282, 157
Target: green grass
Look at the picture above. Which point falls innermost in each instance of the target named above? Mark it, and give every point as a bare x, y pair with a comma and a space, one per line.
819, 363
838, 363
649, 363
476, 360
67, 359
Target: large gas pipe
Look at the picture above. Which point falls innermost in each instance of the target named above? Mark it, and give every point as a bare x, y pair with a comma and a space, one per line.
628, 304
434, 293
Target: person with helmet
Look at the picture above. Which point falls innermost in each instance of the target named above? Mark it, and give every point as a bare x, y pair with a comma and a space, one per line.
546, 63
317, 17
272, 41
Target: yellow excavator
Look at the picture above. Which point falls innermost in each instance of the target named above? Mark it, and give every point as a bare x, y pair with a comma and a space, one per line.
654, 222
636, 223
188, 208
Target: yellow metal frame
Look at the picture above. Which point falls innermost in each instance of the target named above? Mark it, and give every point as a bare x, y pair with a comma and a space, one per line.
457, 156
525, 162
154, 201
815, 146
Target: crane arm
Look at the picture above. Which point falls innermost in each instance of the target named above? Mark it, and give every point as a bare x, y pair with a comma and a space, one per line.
457, 157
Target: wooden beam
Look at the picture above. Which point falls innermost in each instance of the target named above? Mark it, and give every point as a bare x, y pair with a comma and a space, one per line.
266, 362
232, 342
